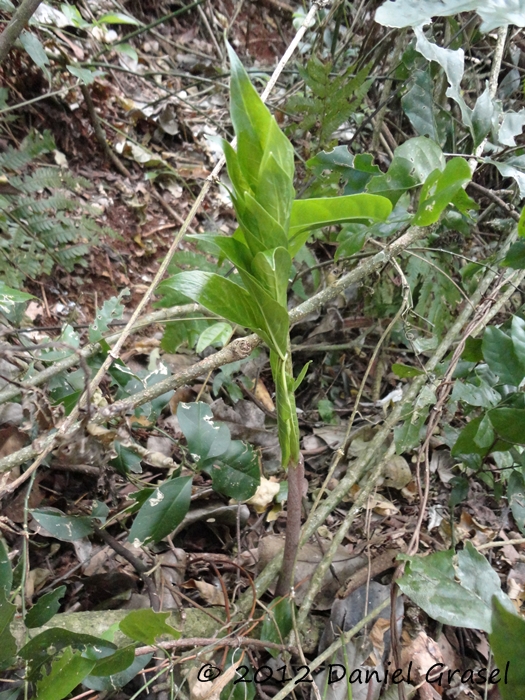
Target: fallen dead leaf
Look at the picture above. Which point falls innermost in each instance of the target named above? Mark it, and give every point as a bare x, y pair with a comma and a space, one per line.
266, 492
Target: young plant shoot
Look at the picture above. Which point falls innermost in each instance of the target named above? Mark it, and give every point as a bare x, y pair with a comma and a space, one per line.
273, 226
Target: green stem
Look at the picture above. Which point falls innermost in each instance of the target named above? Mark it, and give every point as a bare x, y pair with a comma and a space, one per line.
292, 462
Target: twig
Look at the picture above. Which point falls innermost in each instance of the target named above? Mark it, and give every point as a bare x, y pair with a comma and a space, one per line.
99, 133
20, 18
139, 567
232, 642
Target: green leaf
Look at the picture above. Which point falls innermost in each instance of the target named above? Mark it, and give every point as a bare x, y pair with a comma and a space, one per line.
206, 439
513, 167
404, 371
509, 424
217, 334
10, 297
455, 589
115, 663
219, 295
467, 443
254, 128
439, 190
145, 626
500, 355
117, 680
117, 18
162, 512
418, 105
301, 375
475, 395
482, 117
271, 269
517, 334
413, 162
111, 310
86, 75
34, 48
67, 671
237, 473
473, 350
521, 224
507, 642
277, 623
516, 498
515, 257
453, 63
8, 645
126, 460
67, 528
351, 239
6, 572
45, 608
310, 214
37, 651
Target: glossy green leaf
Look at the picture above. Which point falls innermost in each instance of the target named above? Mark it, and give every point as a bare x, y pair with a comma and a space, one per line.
509, 424
413, 162
515, 257
455, 589
482, 117
277, 623
162, 512
8, 645
145, 626
43, 648
67, 671
114, 663
485, 436
521, 224
355, 171
86, 75
272, 270
252, 122
207, 440
439, 190
302, 374
453, 63
45, 608
466, 442
418, 105
237, 473
220, 296
500, 355
473, 350
117, 18
351, 240
261, 230
507, 641
513, 167
216, 335
480, 394
64, 527
310, 214
126, 460
6, 572
117, 680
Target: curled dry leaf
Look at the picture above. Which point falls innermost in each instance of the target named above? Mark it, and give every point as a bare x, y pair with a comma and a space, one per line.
266, 492
396, 473
213, 595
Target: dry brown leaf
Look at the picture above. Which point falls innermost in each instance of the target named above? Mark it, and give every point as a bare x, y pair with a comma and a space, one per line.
263, 395
204, 690
266, 492
211, 594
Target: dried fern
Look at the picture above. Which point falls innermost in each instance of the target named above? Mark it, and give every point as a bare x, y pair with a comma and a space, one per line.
45, 224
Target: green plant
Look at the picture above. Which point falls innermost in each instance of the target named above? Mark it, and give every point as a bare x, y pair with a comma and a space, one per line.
273, 227
43, 223
327, 102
